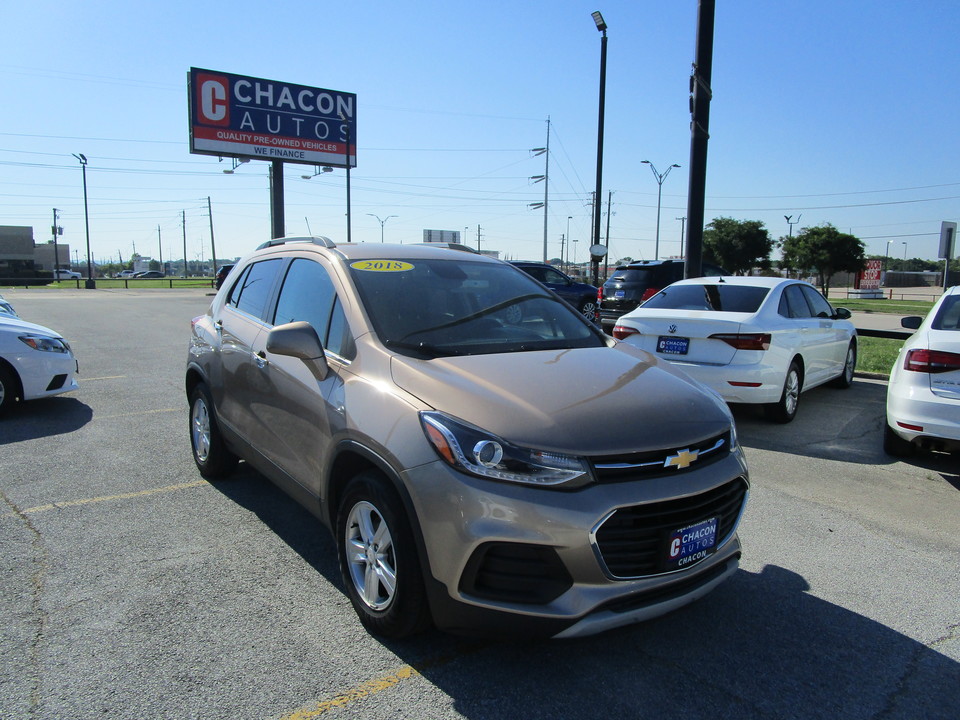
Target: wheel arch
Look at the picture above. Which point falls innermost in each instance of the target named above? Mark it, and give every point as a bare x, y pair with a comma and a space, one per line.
12, 371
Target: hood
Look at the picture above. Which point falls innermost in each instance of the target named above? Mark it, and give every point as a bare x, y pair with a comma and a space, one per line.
19, 325
588, 401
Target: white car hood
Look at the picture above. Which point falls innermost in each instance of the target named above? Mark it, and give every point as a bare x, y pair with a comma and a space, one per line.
18, 325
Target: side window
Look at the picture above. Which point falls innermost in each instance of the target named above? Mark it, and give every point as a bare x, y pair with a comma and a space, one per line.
821, 308
251, 293
796, 305
307, 294
234, 297
536, 273
339, 340
553, 277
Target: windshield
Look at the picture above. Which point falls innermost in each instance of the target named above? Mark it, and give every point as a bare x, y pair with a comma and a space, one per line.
431, 308
718, 297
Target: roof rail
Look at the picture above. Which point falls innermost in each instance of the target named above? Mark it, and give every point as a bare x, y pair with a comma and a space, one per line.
315, 239
451, 246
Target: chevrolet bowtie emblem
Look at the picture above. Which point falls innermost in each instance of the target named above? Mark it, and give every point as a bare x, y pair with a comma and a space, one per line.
683, 459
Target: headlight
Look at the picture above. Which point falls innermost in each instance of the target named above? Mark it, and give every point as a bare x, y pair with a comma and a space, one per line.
472, 450
45, 344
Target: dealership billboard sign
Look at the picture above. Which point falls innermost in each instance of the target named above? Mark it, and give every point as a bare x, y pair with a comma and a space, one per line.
247, 117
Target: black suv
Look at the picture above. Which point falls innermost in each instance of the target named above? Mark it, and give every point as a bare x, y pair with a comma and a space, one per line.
631, 284
583, 297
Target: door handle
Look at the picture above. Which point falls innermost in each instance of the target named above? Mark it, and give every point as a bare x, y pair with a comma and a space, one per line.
261, 359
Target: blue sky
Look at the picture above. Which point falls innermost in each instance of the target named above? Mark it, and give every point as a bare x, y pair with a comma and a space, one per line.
840, 112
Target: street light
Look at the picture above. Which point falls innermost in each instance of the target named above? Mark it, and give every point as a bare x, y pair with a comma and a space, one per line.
320, 171
90, 283
660, 178
569, 218
904, 254
886, 255
601, 27
382, 222
235, 163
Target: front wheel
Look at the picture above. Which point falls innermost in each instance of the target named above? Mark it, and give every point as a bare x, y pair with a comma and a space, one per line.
378, 560
211, 455
8, 389
785, 409
588, 308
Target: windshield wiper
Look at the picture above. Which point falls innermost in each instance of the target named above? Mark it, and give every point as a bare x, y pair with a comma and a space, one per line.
424, 348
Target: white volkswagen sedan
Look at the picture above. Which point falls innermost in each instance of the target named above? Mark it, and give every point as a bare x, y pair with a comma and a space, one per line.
35, 362
923, 395
751, 339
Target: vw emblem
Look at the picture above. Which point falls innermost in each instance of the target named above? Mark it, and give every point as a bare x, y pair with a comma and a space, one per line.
672, 328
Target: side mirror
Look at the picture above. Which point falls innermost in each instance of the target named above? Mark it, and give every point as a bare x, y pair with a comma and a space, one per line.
911, 322
842, 313
299, 340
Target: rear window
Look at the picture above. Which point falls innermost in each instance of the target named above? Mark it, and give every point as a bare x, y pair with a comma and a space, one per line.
948, 318
719, 297
634, 275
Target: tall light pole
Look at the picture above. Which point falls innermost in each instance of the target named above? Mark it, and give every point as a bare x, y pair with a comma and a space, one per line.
904, 254
788, 218
660, 178
602, 27
886, 255
569, 218
90, 283
382, 222
683, 222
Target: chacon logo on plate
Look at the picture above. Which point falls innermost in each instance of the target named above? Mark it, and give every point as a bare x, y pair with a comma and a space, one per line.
381, 265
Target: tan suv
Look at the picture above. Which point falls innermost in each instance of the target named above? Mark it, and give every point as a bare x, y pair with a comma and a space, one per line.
448, 419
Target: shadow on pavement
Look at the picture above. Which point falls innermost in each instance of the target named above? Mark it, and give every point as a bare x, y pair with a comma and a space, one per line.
43, 418
760, 646
842, 425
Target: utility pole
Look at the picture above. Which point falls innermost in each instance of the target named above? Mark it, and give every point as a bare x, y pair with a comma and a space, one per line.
160, 248
683, 222
546, 186
183, 222
478, 237
56, 250
213, 246
607, 242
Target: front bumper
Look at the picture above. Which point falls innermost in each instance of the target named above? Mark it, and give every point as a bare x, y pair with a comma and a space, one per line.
547, 575
45, 374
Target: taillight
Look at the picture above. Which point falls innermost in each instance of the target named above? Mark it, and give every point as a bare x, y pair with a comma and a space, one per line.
648, 293
931, 361
621, 332
745, 341
600, 293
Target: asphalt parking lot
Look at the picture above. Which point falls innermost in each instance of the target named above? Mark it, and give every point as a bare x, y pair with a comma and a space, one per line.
132, 588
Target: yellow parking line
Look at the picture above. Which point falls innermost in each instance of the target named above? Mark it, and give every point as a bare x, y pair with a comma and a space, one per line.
372, 687
107, 498
366, 689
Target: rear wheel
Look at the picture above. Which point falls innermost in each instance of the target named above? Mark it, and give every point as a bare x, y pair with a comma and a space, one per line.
211, 455
845, 378
9, 388
378, 559
895, 445
785, 409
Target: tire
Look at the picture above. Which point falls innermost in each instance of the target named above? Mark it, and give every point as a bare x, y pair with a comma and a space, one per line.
588, 308
210, 453
378, 559
785, 409
895, 445
845, 378
9, 389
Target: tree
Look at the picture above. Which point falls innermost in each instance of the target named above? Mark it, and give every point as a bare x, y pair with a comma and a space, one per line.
737, 246
824, 250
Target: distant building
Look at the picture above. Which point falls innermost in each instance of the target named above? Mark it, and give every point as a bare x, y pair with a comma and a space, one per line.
20, 256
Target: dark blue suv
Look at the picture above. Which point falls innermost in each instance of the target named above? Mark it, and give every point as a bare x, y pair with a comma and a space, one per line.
583, 297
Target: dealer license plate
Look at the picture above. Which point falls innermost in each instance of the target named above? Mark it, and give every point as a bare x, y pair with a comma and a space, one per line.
673, 345
691, 544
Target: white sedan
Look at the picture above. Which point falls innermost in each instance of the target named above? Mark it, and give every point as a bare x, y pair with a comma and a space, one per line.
35, 362
923, 395
751, 339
